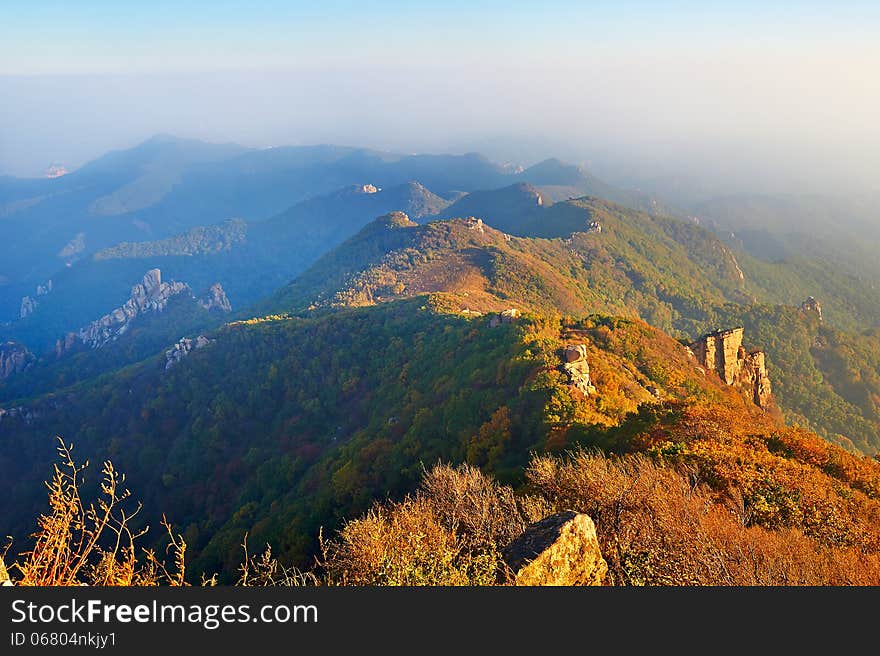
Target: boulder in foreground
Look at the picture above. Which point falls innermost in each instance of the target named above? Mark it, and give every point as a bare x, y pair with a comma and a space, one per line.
561, 549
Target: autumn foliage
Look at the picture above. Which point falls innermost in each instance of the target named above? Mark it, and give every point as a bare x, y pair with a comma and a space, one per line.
658, 525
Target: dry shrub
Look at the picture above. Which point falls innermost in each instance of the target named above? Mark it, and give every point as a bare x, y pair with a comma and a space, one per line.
657, 526
94, 544
404, 543
787, 478
267, 571
450, 532
484, 514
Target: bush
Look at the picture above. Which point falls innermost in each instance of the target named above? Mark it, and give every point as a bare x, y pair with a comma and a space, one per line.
93, 544
657, 526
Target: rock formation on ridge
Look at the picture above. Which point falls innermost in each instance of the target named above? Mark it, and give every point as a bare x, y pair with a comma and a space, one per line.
14, 357
810, 304
216, 299
28, 305
722, 352
574, 363
149, 295
183, 348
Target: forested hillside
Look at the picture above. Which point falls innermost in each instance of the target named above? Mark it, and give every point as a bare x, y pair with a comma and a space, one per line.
282, 426
501, 328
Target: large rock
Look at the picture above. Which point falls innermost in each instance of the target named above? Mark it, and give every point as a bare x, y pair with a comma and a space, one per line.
718, 352
575, 352
574, 362
18, 412
43, 290
561, 549
152, 280
66, 343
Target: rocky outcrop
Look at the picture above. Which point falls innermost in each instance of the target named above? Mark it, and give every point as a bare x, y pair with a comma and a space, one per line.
19, 412
28, 305
473, 223
150, 295
14, 358
811, 306
754, 377
719, 352
183, 348
561, 549
574, 363
504, 317
66, 343
43, 290
55, 170
723, 353
215, 299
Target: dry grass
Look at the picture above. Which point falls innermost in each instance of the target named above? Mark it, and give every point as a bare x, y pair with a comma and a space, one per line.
656, 523
449, 533
265, 570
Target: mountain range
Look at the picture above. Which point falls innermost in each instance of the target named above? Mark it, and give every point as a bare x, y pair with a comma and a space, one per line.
270, 341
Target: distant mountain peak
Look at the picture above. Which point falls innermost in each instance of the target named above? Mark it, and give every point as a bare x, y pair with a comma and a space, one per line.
395, 220
554, 171
524, 189
163, 138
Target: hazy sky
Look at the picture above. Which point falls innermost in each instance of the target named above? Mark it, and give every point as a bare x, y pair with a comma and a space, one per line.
758, 94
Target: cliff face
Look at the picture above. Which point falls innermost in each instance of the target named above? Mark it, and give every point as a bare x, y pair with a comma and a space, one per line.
754, 376
723, 353
719, 352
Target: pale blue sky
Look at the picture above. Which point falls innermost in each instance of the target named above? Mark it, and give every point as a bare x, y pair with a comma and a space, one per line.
95, 36
748, 91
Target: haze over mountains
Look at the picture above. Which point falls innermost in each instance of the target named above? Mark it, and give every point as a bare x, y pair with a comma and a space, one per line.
167, 186
270, 340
